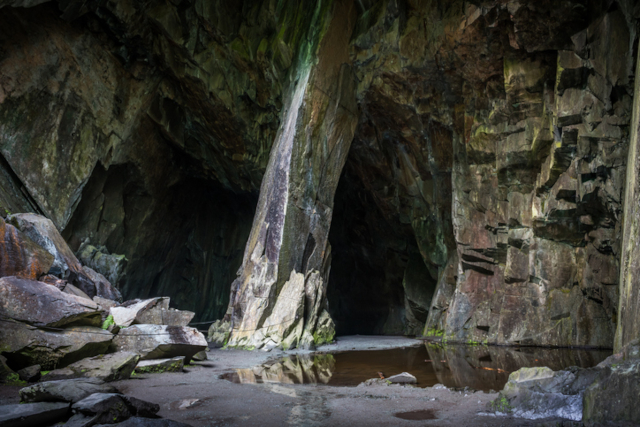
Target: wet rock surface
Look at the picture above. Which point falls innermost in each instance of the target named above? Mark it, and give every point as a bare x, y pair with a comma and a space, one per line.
33, 414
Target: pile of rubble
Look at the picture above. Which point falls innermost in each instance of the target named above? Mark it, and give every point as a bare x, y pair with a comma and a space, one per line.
64, 324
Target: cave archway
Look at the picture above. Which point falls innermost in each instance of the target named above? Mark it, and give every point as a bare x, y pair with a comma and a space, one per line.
379, 283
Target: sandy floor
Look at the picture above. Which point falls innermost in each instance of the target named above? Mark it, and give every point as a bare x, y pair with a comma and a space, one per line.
200, 398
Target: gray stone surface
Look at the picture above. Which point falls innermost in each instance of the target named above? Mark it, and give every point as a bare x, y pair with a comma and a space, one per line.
70, 391
33, 414
111, 266
44, 305
141, 408
134, 313
106, 367
20, 256
160, 341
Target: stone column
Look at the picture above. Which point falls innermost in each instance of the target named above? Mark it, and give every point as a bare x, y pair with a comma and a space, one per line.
279, 297
628, 327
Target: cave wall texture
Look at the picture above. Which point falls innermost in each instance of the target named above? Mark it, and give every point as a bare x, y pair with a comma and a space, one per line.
440, 167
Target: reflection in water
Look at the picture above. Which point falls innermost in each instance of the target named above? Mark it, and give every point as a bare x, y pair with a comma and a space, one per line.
478, 367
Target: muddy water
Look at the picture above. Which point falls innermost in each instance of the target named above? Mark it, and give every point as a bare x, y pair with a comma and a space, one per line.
477, 367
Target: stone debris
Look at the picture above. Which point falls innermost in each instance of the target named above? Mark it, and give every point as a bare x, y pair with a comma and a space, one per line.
104, 288
33, 414
154, 311
106, 367
70, 391
160, 341
108, 408
111, 266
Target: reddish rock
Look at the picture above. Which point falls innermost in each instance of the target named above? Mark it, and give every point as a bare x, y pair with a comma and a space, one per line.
19, 256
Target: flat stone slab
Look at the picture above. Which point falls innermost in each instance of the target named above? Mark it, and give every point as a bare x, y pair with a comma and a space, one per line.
50, 349
160, 341
108, 407
130, 314
107, 367
160, 365
33, 414
70, 391
41, 304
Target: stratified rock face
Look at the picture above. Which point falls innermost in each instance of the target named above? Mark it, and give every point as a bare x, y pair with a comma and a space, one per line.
281, 287
484, 148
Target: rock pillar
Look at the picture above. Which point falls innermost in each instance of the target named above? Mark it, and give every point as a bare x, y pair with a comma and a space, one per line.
279, 298
628, 327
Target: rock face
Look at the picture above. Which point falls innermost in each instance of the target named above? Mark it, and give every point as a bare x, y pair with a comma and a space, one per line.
602, 407
287, 258
33, 414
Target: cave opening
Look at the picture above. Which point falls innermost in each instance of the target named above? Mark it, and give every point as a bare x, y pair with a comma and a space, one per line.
379, 283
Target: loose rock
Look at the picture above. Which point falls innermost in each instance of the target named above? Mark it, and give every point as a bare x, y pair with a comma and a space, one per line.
106, 407
70, 391
44, 305
160, 341
30, 374
108, 367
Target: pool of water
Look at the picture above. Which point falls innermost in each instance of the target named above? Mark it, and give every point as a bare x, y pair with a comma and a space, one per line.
478, 367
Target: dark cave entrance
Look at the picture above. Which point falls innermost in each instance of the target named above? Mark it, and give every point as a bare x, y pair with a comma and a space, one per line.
379, 284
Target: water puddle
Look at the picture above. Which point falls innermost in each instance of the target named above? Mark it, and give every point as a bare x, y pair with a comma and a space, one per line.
477, 367
426, 414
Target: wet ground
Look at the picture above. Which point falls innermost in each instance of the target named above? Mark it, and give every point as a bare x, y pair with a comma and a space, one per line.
200, 397
479, 367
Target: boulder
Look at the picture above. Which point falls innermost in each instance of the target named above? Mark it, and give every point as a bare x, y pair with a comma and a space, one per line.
52, 280
129, 313
99, 259
80, 420
536, 393
141, 408
612, 399
44, 305
20, 256
72, 290
160, 341
403, 378
200, 356
70, 391
174, 364
148, 422
43, 232
105, 407
30, 374
107, 367
33, 414
25, 345
104, 288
